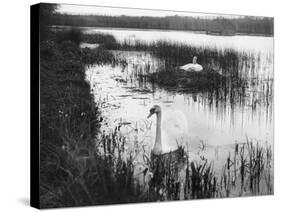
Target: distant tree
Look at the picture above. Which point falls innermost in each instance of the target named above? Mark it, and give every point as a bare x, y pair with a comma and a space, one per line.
45, 16
248, 25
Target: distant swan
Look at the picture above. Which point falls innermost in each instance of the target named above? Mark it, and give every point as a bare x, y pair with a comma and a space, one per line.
169, 132
194, 66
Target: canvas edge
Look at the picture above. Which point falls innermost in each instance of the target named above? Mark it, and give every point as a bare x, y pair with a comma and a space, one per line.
34, 107
35, 101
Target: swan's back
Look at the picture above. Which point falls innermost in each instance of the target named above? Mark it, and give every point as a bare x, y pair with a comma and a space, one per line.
167, 170
174, 130
192, 67
169, 158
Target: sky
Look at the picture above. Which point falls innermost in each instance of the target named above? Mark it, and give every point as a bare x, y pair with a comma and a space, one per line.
99, 10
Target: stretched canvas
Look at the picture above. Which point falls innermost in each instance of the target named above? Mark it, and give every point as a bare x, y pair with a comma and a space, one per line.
137, 105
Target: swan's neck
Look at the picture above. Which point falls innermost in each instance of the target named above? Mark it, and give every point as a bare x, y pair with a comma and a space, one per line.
157, 149
194, 60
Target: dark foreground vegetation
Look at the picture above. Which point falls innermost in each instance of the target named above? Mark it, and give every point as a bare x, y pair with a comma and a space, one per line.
79, 165
69, 125
72, 172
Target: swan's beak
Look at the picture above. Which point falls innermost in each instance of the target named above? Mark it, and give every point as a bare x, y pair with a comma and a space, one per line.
150, 114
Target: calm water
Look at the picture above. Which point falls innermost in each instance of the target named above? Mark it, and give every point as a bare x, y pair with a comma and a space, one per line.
126, 99
242, 43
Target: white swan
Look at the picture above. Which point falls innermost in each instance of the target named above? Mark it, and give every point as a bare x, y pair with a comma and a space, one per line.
169, 132
171, 163
194, 66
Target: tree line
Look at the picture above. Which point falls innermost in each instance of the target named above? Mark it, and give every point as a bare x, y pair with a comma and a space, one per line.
245, 25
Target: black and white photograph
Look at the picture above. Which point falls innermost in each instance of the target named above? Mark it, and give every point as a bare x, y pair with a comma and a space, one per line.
146, 105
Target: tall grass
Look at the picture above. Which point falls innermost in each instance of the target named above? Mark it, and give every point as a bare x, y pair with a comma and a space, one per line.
176, 54
222, 68
245, 173
73, 35
106, 40
228, 76
72, 172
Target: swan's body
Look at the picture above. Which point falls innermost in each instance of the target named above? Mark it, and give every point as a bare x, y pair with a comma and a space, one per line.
169, 164
171, 128
194, 66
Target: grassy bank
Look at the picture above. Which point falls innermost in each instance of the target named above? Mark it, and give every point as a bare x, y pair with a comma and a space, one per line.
72, 172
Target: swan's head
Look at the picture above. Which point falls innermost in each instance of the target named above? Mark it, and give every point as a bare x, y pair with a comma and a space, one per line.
156, 109
194, 60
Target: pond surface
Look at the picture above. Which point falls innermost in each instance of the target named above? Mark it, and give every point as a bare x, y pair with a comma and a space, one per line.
237, 42
218, 124
124, 98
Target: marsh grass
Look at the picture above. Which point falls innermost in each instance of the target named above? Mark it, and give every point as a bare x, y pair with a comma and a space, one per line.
182, 81
202, 182
177, 54
226, 72
246, 173
221, 68
106, 40
72, 172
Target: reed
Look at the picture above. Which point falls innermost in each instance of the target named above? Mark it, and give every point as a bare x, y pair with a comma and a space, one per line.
177, 54
242, 175
247, 169
203, 181
106, 40
73, 35
72, 172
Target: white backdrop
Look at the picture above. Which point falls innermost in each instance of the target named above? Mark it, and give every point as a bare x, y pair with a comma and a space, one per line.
14, 111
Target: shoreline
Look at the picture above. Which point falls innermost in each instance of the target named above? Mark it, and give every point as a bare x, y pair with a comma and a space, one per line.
165, 30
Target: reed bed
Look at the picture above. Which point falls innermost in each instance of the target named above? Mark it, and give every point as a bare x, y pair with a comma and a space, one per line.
106, 40
71, 171
177, 54
224, 69
246, 171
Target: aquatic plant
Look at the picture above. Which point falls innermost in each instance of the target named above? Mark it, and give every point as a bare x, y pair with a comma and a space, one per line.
176, 54
203, 181
188, 81
74, 35
247, 170
96, 56
106, 40
71, 171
